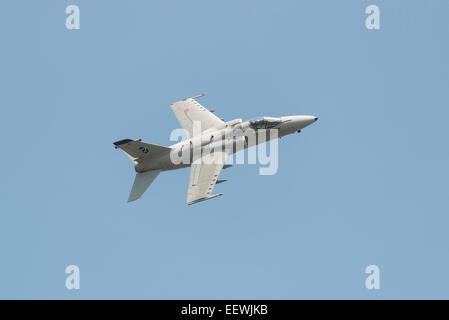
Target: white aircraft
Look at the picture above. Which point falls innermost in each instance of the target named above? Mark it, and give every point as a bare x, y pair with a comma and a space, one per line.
210, 141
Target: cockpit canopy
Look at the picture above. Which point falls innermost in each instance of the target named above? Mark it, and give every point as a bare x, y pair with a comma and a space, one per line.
265, 123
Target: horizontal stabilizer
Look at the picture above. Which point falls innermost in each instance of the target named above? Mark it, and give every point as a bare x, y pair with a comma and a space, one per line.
220, 181
141, 183
227, 166
136, 149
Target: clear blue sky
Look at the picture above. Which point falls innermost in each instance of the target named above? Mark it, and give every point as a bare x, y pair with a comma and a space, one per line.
367, 184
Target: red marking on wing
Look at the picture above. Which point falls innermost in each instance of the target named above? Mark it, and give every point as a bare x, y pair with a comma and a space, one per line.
186, 110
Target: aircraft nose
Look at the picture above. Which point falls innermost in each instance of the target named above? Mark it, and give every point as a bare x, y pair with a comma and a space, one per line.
298, 122
306, 120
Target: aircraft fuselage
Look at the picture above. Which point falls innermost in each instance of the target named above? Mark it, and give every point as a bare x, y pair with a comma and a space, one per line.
233, 137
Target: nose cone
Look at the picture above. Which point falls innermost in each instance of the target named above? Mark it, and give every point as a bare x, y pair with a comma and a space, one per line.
306, 120
295, 123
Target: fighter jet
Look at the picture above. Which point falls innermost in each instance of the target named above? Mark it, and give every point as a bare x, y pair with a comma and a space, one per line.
210, 141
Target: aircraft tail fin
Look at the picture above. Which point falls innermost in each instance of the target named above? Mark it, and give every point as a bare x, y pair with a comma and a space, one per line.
140, 153
141, 183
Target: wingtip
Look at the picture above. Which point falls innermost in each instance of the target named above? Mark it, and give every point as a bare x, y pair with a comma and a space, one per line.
205, 198
197, 96
120, 142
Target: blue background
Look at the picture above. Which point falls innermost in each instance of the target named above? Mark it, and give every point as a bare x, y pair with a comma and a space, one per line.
366, 184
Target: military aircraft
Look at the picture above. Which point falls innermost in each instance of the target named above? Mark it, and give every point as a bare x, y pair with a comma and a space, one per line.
210, 141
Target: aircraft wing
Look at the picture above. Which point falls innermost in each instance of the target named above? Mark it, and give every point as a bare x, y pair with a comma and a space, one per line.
189, 113
203, 177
